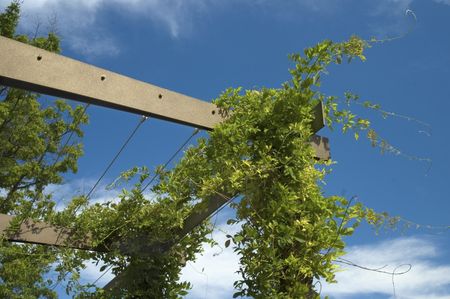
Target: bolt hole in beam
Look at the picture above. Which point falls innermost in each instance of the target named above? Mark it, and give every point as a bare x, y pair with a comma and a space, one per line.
160, 96
64, 77
103, 77
213, 112
39, 57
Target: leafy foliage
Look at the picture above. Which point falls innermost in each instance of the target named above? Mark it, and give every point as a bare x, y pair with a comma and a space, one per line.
290, 233
34, 154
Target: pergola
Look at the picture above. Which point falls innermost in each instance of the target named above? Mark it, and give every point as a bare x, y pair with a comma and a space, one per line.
34, 69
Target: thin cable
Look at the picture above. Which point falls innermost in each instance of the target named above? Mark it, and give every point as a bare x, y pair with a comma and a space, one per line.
341, 224
103, 274
142, 120
408, 12
171, 158
378, 270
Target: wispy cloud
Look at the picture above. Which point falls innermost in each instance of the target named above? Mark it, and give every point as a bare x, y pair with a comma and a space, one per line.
75, 21
62, 194
178, 16
326, 6
94, 45
92, 274
390, 18
214, 271
81, 22
78, 21
428, 277
391, 7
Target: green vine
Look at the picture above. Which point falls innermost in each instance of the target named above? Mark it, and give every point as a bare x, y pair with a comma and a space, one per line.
290, 233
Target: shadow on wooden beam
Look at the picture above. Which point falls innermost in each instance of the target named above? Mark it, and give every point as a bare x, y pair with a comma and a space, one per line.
38, 232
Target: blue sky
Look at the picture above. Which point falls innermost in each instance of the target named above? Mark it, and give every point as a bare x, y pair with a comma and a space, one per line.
201, 47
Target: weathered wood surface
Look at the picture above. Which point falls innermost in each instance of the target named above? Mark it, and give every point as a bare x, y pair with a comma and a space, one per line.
38, 232
34, 69
31, 68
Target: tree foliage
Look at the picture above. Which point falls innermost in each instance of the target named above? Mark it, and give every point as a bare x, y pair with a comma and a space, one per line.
34, 153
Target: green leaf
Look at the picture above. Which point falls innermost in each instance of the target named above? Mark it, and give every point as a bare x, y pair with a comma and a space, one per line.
238, 238
231, 221
227, 243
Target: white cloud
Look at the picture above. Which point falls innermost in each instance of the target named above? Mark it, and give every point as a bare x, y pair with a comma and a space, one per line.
428, 277
80, 24
213, 275
78, 20
92, 274
214, 271
391, 7
62, 194
75, 21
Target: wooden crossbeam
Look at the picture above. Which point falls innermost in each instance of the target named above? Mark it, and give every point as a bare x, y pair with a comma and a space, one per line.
34, 69
27, 67
38, 232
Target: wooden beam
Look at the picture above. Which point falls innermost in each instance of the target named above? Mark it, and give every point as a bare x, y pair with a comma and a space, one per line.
38, 232
34, 69
321, 146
